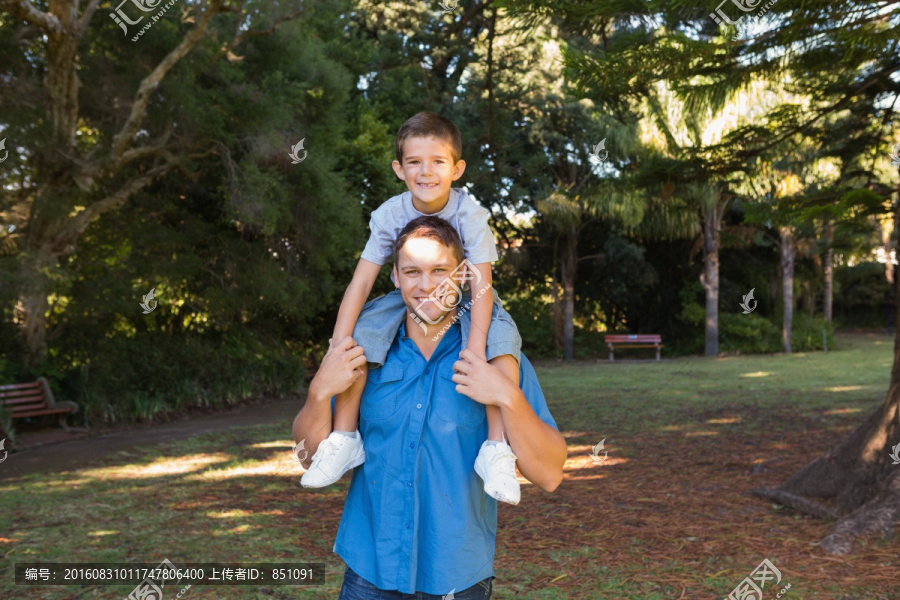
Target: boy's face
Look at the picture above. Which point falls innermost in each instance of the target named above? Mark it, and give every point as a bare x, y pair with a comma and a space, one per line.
428, 171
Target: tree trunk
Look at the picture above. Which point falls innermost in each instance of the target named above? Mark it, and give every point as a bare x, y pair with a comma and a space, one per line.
712, 216
557, 315
828, 268
569, 264
887, 248
787, 284
40, 275
859, 475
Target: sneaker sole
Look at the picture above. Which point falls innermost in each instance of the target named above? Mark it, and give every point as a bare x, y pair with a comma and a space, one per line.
502, 498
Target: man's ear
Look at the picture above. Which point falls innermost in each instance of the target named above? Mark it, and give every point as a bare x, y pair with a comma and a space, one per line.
395, 277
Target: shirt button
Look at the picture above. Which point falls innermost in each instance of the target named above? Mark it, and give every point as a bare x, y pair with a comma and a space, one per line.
418, 406
427, 370
408, 525
408, 484
412, 445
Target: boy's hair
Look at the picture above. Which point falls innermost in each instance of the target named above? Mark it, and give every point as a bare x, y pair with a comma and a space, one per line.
431, 227
428, 124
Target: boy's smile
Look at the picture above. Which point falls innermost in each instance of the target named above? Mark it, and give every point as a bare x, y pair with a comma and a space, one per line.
428, 171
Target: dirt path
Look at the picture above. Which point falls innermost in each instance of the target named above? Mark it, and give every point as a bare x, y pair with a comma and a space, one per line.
49, 451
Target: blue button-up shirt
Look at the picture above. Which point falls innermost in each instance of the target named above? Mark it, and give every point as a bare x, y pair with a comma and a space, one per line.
416, 517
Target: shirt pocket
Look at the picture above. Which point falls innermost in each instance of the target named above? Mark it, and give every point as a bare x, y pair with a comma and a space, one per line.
457, 408
379, 399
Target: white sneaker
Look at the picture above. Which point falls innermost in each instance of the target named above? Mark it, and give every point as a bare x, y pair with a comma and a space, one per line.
496, 465
336, 455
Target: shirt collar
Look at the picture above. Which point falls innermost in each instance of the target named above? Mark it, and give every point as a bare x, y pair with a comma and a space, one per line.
453, 332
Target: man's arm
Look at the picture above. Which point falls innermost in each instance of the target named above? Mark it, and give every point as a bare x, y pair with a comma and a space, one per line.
540, 449
339, 369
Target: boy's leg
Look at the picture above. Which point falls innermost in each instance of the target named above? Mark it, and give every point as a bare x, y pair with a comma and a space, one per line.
346, 404
496, 462
509, 367
343, 449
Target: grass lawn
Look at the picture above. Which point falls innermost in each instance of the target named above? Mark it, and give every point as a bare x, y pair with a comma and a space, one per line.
665, 516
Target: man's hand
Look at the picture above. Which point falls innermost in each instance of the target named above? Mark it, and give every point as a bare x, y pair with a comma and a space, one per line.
481, 381
339, 369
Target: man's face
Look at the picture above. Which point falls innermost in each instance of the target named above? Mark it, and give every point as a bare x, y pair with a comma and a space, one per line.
428, 171
423, 271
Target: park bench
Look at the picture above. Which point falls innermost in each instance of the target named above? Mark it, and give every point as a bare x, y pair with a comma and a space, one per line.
633, 341
35, 400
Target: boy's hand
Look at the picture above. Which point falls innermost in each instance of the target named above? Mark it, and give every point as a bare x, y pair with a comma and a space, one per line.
478, 352
481, 381
339, 369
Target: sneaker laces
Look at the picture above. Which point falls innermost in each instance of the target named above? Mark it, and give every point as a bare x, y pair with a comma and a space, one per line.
327, 447
504, 451
505, 454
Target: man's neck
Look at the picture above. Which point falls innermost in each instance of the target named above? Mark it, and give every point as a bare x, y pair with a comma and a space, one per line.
427, 341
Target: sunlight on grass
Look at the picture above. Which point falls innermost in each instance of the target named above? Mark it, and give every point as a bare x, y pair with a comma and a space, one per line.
281, 444
277, 466
239, 495
228, 514
61, 483
842, 411
580, 458
161, 466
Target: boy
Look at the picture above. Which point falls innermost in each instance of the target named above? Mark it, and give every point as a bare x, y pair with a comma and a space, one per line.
428, 149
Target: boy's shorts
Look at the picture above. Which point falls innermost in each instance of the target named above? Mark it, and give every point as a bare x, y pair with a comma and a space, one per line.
380, 319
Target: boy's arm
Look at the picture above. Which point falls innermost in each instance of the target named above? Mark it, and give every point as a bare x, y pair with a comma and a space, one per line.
482, 307
355, 297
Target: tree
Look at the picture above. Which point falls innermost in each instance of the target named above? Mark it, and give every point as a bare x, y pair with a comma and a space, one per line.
844, 59
568, 132
81, 165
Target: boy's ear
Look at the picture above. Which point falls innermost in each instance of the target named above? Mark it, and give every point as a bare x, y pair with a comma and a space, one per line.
398, 169
458, 169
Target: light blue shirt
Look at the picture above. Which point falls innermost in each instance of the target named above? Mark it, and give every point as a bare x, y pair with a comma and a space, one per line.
467, 217
416, 517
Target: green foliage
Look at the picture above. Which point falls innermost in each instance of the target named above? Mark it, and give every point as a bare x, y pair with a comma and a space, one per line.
531, 310
807, 333
748, 334
862, 295
691, 311
157, 374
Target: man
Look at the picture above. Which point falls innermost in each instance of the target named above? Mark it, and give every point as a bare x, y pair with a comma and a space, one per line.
416, 517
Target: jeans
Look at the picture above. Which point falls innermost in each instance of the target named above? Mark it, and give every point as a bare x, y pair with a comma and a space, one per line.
357, 588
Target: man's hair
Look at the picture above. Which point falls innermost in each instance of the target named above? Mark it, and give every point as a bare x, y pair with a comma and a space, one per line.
431, 227
428, 124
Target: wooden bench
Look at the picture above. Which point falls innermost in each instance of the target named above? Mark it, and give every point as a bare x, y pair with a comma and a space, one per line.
633, 341
34, 400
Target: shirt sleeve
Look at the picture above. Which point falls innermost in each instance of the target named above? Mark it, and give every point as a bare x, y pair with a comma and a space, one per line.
380, 246
533, 393
477, 237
